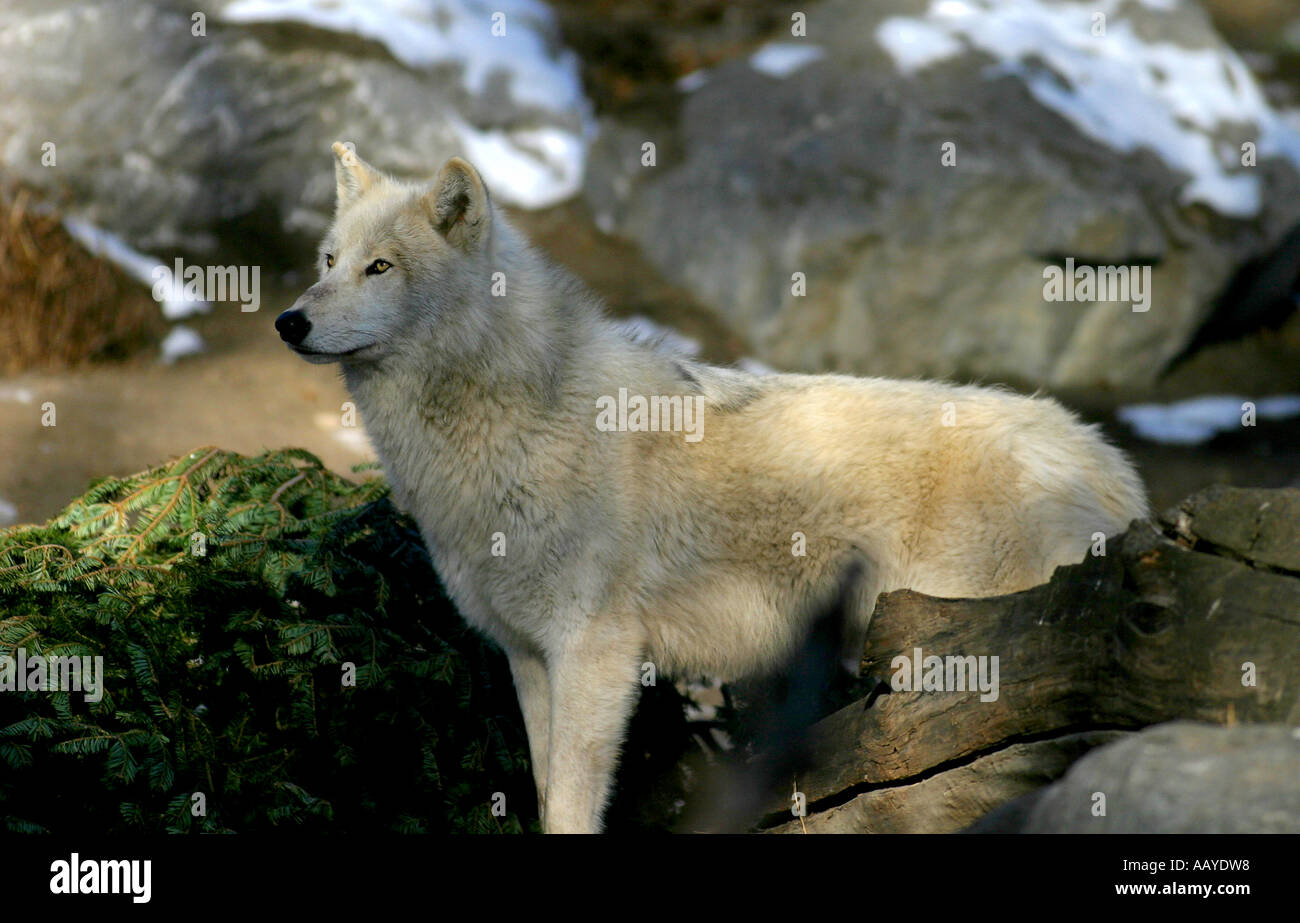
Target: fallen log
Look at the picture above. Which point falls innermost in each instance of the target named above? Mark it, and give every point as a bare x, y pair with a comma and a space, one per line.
1194, 615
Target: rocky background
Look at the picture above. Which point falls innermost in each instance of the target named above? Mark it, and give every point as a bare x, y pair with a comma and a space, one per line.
806, 142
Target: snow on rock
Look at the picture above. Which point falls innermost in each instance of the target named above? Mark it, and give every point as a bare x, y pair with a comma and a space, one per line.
1119, 88
689, 83
531, 168
781, 59
485, 39
427, 33
1200, 419
916, 44
143, 268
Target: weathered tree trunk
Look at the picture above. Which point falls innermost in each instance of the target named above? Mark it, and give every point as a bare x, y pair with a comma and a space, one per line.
1196, 616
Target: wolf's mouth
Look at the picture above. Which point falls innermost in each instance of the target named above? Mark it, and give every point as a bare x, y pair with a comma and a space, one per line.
302, 351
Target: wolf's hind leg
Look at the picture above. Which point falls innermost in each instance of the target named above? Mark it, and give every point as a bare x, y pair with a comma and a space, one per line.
859, 588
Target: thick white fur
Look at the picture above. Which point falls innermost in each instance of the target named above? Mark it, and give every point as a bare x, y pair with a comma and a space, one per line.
625, 547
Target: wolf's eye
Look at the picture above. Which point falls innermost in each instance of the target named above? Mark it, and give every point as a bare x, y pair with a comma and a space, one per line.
377, 267
329, 261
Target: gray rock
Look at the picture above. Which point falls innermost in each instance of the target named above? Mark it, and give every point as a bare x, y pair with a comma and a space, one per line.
220, 142
1172, 778
914, 268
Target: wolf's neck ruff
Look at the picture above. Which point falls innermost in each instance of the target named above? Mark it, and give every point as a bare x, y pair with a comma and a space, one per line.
466, 435
444, 433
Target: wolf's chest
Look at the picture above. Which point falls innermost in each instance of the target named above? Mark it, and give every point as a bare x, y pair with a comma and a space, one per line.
478, 527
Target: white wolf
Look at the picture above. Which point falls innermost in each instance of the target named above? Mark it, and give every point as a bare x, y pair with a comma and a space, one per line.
588, 549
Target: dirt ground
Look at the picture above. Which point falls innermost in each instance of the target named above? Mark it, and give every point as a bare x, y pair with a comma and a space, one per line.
247, 393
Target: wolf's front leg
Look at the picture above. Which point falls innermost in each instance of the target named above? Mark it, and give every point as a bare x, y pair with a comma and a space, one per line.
594, 684
534, 691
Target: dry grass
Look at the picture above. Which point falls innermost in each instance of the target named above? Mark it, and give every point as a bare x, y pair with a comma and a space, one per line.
60, 306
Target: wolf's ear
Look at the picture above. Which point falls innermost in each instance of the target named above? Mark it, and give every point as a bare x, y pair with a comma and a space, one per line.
458, 206
352, 174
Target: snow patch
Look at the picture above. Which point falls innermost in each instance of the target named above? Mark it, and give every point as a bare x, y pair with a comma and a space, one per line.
8, 513
109, 246
915, 44
1200, 419
532, 168
181, 341
689, 83
428, 33
781, 59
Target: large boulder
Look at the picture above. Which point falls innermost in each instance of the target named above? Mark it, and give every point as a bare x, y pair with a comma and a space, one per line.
823, 155
219, 142
1174, 778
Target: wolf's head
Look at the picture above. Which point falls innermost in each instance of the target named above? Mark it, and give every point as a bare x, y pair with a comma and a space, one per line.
399, 261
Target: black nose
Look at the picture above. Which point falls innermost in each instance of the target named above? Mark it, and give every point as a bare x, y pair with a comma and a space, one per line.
293, 326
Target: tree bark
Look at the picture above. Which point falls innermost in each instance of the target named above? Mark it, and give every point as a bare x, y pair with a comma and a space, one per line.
1195, 615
